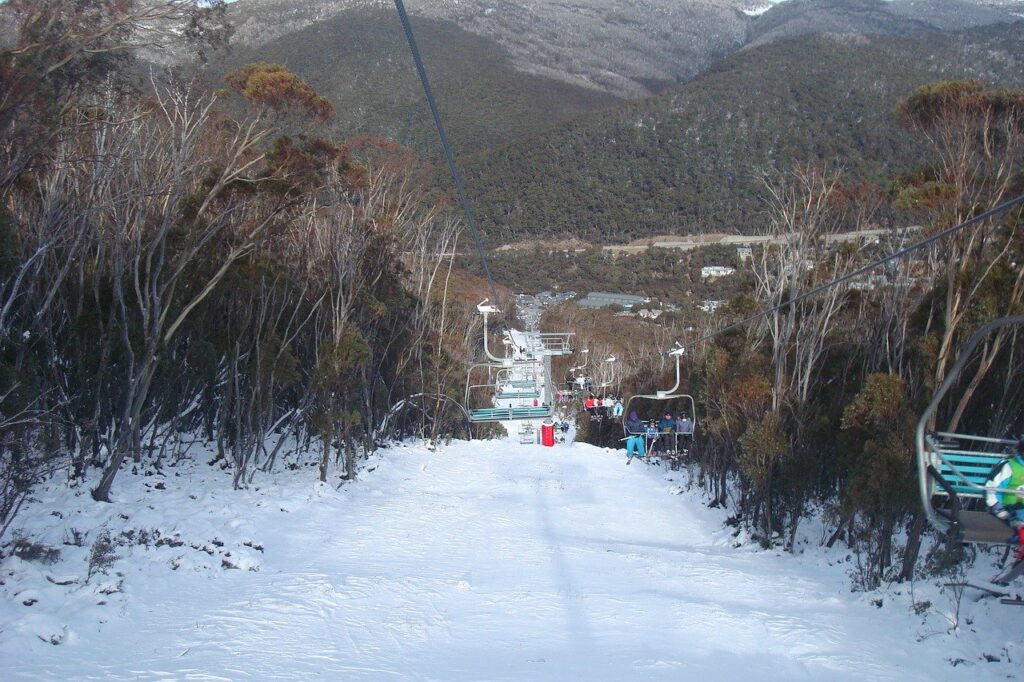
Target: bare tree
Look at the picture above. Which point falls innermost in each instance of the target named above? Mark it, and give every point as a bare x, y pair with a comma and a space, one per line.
977, 138
65, 49
165, 212
805, 209
803, 213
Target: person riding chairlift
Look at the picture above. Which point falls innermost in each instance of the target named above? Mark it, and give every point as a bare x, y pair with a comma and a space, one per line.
652, 434
617, 408
684, 427
634, 437
1009, 507
684, 433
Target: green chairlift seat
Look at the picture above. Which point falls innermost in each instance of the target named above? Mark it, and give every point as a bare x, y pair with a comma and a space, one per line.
518, 394
496, 414
960, 475
953, 468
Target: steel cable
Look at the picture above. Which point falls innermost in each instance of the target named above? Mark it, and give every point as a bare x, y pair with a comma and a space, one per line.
470, 220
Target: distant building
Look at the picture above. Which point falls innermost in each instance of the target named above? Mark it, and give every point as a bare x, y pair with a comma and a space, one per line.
712, 271
745, 253
603, 299
806, 265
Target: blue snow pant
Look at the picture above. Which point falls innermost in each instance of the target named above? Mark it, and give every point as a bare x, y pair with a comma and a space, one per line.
1017, 514
635, 444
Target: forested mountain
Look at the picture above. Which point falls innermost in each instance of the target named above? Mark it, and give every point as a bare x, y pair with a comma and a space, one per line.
553, 159
630, 47
626, 47
689, 160
360, 62
798, 17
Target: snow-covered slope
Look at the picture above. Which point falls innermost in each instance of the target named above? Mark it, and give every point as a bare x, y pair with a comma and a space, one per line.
485, 560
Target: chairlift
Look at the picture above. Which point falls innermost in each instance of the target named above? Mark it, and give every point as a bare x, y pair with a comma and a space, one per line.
600, 392
579, 382
484, 309
508, 378
508, 386
527, 434
661, 397
512, 390
953, 468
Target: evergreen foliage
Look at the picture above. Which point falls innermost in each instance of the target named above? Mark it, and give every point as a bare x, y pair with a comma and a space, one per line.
175, 265
361, 63
690, 160
813, 406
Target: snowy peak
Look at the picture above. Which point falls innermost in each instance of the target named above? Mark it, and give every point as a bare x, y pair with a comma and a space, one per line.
628, 47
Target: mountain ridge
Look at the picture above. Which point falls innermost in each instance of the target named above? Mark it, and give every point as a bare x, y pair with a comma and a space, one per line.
689, 160
631, 48
361, 63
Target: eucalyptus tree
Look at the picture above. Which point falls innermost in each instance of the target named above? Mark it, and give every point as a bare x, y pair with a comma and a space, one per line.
65, 49
976, 138
176, 193
806, 208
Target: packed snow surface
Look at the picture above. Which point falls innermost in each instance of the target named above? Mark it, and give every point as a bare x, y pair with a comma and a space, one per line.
485, 560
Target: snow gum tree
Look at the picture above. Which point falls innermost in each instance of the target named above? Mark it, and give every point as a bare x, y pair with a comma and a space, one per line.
806, 207
738, 398
335, 385
172, 267
60, 83
196, 173
66, 48
879, 490
976, 136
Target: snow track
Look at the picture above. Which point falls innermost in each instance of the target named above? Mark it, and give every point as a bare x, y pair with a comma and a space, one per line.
480, 561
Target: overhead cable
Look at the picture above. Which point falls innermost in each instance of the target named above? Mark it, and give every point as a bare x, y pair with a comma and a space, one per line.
470, 220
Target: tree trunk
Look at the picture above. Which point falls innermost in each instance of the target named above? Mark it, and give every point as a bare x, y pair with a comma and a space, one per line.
101, 493
838, 533
795, 523
325, 456
913, 547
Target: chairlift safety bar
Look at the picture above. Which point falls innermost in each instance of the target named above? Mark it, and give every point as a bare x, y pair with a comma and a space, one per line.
938, 453
983, 439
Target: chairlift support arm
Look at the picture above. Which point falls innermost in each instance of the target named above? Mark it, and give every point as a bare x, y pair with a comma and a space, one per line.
678, 353
486, 310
